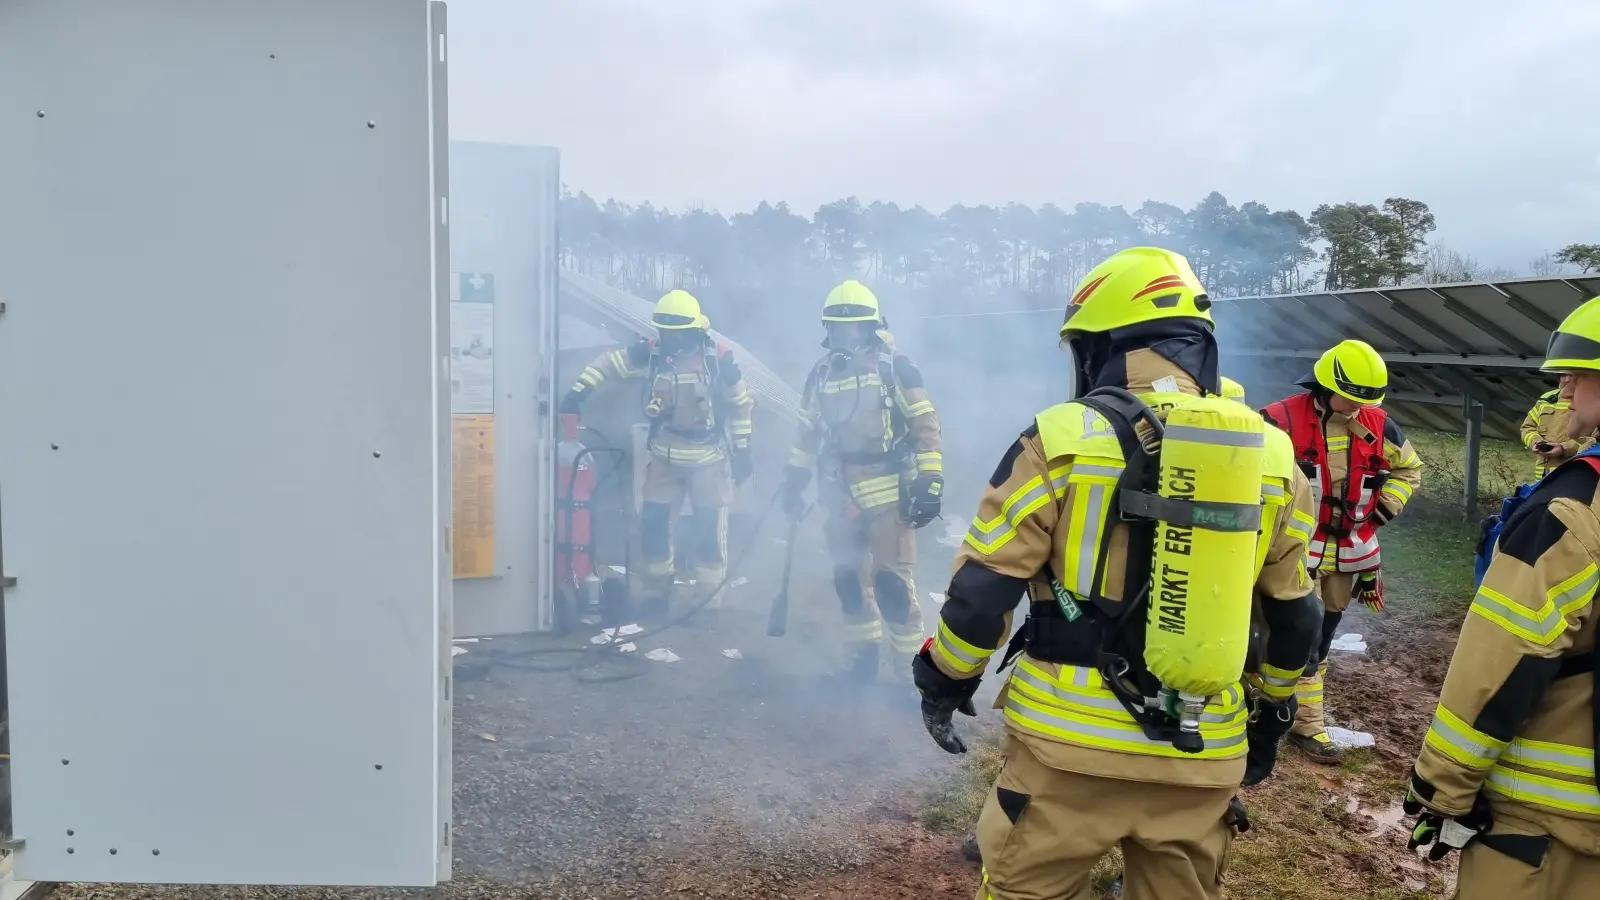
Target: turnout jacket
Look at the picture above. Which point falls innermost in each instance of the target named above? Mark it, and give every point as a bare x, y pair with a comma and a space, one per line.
1343, 455
1048, 504
1517, 717
866, 419
1547, 421
696, 402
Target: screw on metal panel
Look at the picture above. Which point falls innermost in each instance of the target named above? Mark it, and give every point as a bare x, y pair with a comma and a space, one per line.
65, 761
370, 123
70, 850
39, 113
155, 852
379, 767
376, 454
113, 851
55, 446
69, 832
272, 56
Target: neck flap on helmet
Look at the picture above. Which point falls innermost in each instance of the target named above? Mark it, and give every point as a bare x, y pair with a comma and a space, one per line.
1100, 360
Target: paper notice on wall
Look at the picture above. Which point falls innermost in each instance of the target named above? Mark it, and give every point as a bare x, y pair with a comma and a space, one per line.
472, 343
472, 495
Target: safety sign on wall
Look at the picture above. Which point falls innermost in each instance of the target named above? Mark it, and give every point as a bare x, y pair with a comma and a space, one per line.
472, 344
472, 422
472, 494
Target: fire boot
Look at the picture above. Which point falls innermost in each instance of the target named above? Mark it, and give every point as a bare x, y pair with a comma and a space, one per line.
1310, 731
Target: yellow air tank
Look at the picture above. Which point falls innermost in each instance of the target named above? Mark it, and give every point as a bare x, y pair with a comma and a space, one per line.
1203, 576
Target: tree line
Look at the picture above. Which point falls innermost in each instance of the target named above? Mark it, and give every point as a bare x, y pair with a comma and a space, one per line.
1248, 249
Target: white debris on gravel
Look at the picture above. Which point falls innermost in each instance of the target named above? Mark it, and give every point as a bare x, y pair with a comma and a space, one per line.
458, 651
629, 647
738, 581
464, 640
629, 629
733, 654
619, 570
1344, 737
936, 597
1350, 643
662, 654
953, 534
487, 736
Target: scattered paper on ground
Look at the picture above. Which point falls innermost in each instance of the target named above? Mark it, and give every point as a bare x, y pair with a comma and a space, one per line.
457, 651
738, 581
936, 597
1350, 643
733, 654
465, 640
1344, 737
629, 629
487, 736
629, 647
662, 654
619, 570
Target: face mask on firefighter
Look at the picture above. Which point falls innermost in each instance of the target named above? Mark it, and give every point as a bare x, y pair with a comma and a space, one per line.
850, 337
674, 341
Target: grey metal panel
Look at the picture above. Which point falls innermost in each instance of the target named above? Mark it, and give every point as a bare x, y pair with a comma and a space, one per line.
606, 302
220, 440
504, 203
439, 113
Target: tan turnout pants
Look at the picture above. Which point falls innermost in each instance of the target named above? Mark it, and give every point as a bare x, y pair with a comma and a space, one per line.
1043, 829
1487, 873
873, 556
1310, 720
710, 492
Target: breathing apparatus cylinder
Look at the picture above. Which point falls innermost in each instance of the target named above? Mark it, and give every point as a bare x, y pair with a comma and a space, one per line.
1197, 632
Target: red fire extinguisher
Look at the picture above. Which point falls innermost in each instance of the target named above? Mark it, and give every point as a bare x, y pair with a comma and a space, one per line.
574, 561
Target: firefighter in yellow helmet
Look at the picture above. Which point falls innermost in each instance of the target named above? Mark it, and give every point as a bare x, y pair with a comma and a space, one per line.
699, 413
1150, 524
1365, 470
1507, 769
872, 435
1544, 432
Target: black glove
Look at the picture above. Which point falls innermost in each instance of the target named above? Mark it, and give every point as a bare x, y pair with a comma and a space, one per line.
1271, 720
1445, 833
921, 504
942, 697
795, 480
742, 466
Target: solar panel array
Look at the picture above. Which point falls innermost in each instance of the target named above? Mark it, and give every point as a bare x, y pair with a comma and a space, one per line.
1442, 343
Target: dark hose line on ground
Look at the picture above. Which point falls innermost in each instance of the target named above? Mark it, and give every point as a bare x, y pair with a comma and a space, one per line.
592, 655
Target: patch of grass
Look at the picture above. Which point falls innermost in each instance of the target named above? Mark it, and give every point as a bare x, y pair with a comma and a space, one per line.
1427, 566
953, 803
1502, 465
1302, 845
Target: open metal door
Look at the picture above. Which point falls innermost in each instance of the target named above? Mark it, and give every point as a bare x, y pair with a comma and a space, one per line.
224, 439
503, 312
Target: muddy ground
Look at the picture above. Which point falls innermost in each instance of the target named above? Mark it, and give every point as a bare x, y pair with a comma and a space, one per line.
764, 777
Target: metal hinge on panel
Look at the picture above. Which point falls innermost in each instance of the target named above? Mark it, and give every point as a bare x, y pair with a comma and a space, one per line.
8, 581
13, 843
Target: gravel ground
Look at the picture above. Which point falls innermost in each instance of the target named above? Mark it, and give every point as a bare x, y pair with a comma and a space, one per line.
707, 776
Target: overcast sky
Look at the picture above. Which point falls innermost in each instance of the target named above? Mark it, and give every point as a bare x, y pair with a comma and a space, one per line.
1487, 111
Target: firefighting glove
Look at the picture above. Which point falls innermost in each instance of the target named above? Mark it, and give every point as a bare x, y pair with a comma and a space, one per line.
1441, 833
742, 465
795, 480
1270, 721
942, 697
922, 499
1369, 589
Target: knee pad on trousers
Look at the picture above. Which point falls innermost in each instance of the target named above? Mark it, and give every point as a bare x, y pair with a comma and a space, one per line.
893, 594
1330, 624
655, 534
847, 584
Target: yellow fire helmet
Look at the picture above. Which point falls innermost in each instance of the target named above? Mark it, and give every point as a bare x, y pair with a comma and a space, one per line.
1231, 389
851, 301
1354, 371
1575, 346
1139, 284
678, 310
